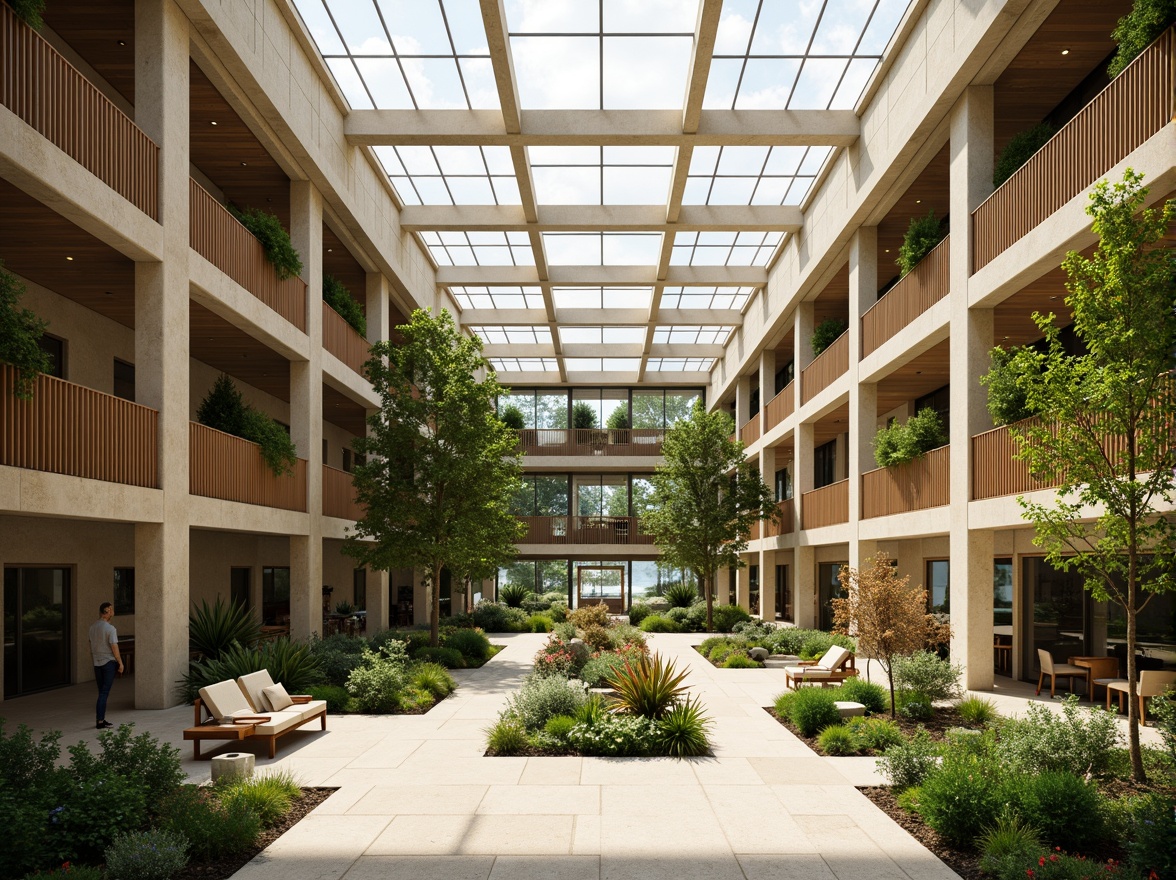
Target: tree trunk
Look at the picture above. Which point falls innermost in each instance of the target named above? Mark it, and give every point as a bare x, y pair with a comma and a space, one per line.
890, 678
1138, 774
708, 592
435, 607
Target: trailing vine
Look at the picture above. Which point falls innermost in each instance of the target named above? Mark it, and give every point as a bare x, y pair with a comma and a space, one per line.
340, 299
20, 335
275, 240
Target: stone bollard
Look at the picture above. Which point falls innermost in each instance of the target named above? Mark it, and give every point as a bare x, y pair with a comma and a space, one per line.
231, 765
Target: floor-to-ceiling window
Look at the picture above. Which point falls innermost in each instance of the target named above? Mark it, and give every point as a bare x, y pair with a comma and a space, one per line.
753, 589
36, 629
784, 610
1002, 615
275, 595
938, 585
828, 589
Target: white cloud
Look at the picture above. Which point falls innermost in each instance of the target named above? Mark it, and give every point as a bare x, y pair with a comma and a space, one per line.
557, 72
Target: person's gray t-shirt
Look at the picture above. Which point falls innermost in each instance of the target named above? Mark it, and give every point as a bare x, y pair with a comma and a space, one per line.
102, 636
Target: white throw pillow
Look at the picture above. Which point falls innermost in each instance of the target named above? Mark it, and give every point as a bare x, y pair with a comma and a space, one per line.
276, 697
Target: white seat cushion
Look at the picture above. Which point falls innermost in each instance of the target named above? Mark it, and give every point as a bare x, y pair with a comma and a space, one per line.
279, 721
252, 685
834, 657
275, 698
807, 672
224, 700
1067, 669
309, 710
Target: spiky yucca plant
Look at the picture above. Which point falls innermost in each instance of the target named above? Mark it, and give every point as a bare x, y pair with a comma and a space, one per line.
681, 732
213, 629
648, 688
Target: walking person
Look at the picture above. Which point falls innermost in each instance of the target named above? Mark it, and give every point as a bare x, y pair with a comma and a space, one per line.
107, 660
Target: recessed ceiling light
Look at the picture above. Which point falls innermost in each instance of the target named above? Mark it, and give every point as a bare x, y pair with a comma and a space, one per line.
122, 42
70, 259
213, 122
330, 250
1065, 51
244, 164
888, 250
918, 201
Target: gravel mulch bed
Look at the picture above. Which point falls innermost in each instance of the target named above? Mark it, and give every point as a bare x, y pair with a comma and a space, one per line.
227, 867
944, 719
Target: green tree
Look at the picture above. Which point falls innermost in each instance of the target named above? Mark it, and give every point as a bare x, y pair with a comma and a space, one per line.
20, 335
1106, 431
441, 466
706, 498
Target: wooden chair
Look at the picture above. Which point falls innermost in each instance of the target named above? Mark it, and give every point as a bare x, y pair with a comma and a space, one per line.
1152, 683
834, 667
1056, 670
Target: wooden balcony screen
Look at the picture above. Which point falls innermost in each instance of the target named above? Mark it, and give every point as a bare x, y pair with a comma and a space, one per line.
217, 236
591, 441
227, 467
825, 368
916, 485
73, 430
787, 524
827, 506
1132, 108
916, 292
342, 340
780, 407
750, 432
51, 95
995, 471
583, 530
339, 495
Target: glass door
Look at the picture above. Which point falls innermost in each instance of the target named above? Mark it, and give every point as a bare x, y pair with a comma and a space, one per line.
828, 589
36, 622
601, 583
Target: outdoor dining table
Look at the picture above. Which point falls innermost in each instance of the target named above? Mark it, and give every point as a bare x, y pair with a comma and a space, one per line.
1096, 667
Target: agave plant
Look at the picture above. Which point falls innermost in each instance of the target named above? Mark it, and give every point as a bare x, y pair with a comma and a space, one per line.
648, 688
681, 732
681, 595
288, 662
513, 595
212, 630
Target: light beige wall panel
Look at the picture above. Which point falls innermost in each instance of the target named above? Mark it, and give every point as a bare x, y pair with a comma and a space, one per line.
38, 493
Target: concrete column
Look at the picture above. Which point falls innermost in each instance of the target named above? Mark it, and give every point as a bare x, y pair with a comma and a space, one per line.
767, 579
379, 308
971, 552
378, 601
721, 586
767, 380
306, 414
804, 579
161, 356
802, 344
863, 398
802, 473
742, 402
743, 586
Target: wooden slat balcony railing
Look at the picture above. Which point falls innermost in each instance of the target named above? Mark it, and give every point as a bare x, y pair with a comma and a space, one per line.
750, 432
995, 470
916, 485
787, 524
825, 368
827, 506
753, 533
51, 95
342, 340
1132, 108
217, 236
917, 291
339, 495
780, 407
73, 430
227, 467
591, 441
584, 530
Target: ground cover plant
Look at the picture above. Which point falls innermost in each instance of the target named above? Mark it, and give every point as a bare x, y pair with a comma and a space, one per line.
733, 651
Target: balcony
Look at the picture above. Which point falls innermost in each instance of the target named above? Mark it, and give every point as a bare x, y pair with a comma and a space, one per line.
216, 235
620, 530
750, 432
339, 495
787, 523
591, 441
916, 485
917, 291
827, 506
341, 340
77, 431
825, 369
995, 471
780, 407
1136, 105
48, 93
232, 469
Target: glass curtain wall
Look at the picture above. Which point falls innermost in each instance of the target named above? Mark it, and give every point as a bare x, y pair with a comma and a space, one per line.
613, 408
537, 575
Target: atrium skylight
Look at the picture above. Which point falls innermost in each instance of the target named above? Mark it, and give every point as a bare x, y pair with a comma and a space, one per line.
725, 248
679, 365
602, 365
705, 297
498, 297
513, 335
602, 248
602, 335
479, 248
524, 365
601, 175
602, 297
451, 175
691, 335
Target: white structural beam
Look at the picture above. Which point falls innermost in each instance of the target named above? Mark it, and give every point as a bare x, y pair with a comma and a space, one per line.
608, 276
600, 317
606, 350
837, 128
674, 378
602, 218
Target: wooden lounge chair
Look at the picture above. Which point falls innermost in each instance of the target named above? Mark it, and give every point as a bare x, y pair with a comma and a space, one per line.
834, 667
1152, 683
230, 702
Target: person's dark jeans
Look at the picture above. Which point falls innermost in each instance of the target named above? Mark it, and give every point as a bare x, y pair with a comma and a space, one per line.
104, 676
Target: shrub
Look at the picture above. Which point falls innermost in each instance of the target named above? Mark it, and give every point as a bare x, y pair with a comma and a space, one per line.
450, 658
1008, 379
657, 623
1152, 840
691, 619
624, 635
20, 329
898, 444
275, 241
434, 679
740, 660
681, 595
70, 870
837, 739
1164, 715
638, 611
596, 637
907, 764
925, 673
876, 734
726, 616
598, 670
335, 696
1137, 29
1007, 846
291, 663
812, 709
559, 726
543, 697
213, 629
337, 655
960, 797
559, 658
214, 830
506, 737
857, 690
378, 685
512, 595
826, 333
615, 736
587, 615
29, 11
783, 703
558, 612
920, 239
649, 687
977, 711
470, 643
1066, 810
583, 416
1081, 741
147, 855
270, 796
340, 299
539, 623
493, 617
682, 731
225, 410
913, 705
511, 416
1019, 150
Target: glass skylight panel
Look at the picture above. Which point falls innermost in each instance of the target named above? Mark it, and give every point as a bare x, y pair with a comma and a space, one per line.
602, 297
507, 297
404, 54
513, 335
678, 335
593, 175
602, 335
602, 248
479, 248
607, 365
451, 175
524, 365
779, 175
725, 248
705, 297
678, 365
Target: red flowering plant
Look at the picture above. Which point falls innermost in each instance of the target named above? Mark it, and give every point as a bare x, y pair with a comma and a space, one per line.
557, 658
1059, 865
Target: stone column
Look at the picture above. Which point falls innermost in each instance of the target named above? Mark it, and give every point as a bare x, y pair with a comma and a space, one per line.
742, 403
743, 584
306, 414
802, 343
804, 590
971, 552
767, 579
161, 356
767, 553
722, 586
378, 311
863, 398
805, 578
378, 601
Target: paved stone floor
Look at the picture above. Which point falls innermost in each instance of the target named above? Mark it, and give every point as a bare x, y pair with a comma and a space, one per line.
418, 800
